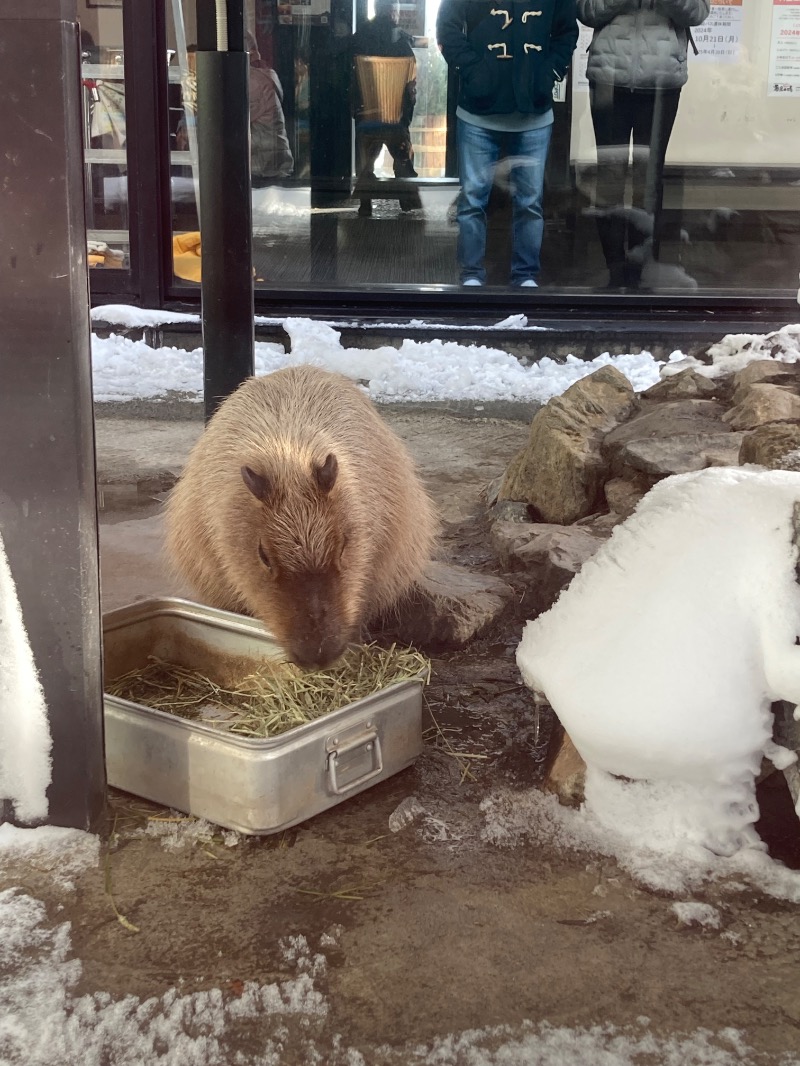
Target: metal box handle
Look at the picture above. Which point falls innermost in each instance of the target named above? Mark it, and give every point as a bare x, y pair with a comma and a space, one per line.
371, 743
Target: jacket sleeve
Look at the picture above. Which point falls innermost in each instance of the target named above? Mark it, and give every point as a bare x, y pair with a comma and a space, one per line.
563, 36
450, 21
597, 13
683, 12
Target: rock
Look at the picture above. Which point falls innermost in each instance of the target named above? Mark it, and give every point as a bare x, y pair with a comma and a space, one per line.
509, 511
766, 370
759, 404
679, 418
565, 774
688, 385
775, 445
549, 555
678, 455
490, 493
447, 608
601, 525
623, 494
562, 469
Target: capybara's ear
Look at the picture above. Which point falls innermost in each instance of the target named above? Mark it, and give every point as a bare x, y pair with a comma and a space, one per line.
325, 474
258, 485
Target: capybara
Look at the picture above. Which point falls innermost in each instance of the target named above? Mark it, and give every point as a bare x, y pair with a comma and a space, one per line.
299, 506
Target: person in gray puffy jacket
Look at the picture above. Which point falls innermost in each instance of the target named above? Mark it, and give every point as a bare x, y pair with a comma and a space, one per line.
637, 68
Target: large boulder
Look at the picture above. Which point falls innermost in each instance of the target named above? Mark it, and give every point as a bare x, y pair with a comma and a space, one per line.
756, 405
767, 370
562, 469
550, 556
687, 385
671, 438
447, 608
775, 445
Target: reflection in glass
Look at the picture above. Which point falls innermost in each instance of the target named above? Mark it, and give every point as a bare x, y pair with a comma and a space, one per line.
730, 218
105, 138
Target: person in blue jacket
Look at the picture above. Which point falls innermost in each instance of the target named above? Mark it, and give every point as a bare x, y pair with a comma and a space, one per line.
509, 55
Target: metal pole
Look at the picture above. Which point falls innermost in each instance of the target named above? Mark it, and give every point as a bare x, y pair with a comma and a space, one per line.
223, 138
48, 512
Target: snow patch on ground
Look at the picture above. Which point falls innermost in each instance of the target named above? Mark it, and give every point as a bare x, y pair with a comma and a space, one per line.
515, 818
60, 853
43, 1023
691, 913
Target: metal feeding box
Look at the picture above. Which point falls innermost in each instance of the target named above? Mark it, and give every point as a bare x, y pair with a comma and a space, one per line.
242, 783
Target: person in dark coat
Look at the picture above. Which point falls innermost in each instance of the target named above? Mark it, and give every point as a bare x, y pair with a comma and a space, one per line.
381, 36
636, 70
508, 55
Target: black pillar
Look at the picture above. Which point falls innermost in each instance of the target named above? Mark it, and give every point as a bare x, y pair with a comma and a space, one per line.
48, 515
223, 144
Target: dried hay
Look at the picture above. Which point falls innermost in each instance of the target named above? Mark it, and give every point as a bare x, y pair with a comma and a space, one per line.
277, 697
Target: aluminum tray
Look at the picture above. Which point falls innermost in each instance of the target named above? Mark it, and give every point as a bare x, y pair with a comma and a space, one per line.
250, 785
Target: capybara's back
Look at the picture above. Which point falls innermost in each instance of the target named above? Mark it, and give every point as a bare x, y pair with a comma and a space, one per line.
300, 506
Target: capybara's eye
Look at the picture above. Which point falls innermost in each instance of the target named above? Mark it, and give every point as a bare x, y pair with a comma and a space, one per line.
264, 557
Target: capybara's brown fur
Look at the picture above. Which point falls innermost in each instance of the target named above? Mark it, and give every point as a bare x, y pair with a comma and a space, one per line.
299, 506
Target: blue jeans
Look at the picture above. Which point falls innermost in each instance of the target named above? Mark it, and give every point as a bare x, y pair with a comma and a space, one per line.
478, 153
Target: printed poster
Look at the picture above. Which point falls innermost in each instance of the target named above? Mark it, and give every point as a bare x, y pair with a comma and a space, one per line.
784, 49
719, 38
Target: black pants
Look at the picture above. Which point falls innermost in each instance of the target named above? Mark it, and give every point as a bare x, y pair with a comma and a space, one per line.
648, 117
398, 140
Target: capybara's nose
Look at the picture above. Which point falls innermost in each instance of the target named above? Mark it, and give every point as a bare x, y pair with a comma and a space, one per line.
316, 653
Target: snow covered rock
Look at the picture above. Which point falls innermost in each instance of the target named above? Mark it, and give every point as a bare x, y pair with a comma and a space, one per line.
663, 657
562, 469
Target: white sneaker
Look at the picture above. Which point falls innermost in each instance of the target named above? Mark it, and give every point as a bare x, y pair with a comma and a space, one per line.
472, 281
528, 283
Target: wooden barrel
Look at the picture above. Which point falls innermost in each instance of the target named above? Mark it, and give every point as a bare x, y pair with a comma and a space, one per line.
430, 145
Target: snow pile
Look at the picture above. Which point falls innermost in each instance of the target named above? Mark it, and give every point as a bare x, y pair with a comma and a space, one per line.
125, 369
24, 728
736, 350
137, 317
663, 655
